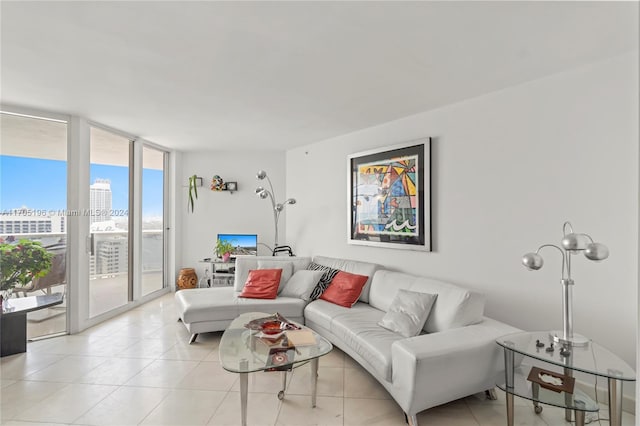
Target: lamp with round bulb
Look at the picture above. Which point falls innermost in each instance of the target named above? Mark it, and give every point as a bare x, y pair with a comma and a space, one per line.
571, 244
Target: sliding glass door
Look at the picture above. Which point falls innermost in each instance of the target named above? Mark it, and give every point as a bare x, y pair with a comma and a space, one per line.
153, 221
109, 199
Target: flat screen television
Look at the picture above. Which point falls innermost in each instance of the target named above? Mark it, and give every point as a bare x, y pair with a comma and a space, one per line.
244, 244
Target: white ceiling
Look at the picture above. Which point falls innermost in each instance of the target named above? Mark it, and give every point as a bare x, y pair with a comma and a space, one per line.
275, 75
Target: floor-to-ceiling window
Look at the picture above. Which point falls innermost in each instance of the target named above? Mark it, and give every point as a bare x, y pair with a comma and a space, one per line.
96, 198
153, 220
109, 199
33, 204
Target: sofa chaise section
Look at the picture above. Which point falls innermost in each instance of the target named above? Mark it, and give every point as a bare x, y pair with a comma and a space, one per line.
212, 309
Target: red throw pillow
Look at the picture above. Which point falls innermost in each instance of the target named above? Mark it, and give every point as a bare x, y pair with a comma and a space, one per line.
345, 288
262, 284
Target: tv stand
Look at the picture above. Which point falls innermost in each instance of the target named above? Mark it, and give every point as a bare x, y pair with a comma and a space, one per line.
220, 274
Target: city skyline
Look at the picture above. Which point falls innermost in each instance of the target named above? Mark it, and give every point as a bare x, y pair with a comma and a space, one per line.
41, 184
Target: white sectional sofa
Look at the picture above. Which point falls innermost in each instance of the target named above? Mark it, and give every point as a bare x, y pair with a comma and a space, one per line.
454, 356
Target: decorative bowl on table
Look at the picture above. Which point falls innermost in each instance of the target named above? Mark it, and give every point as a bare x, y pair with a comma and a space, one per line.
271, 327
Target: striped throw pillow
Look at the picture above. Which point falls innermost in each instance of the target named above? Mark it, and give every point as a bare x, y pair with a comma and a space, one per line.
324, 282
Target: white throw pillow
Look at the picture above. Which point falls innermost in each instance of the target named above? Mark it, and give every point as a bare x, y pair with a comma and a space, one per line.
301, 284
408, 312
287, 270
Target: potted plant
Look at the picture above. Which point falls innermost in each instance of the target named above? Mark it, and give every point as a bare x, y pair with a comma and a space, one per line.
194, 183
224, 249
20, 263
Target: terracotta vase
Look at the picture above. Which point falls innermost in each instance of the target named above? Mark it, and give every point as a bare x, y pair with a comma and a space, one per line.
187, 278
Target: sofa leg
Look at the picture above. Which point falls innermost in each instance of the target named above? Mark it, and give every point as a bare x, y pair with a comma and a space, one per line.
193, 338
411, 420
491, 394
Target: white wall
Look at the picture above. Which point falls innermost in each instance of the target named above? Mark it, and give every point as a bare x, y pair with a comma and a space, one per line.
508, 169
222, 212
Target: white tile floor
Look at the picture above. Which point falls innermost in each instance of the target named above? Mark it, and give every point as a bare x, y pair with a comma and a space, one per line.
138, 368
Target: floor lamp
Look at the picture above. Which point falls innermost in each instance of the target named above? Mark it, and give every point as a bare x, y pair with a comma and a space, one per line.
277, 208
572, 243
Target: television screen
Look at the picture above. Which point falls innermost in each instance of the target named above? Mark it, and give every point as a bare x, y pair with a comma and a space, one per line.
244, 244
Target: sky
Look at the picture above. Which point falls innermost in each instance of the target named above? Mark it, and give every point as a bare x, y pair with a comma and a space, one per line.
242, 240
42, 184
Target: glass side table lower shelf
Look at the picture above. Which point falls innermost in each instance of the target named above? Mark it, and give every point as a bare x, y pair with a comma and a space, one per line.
526, 350
577, 401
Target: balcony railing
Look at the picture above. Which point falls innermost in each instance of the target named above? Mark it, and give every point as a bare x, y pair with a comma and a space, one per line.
108, 284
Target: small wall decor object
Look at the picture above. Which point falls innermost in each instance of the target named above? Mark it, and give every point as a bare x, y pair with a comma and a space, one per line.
389, 196
231, 186
217, 183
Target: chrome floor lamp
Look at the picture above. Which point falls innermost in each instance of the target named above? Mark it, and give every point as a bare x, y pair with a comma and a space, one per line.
572, 243
277, 208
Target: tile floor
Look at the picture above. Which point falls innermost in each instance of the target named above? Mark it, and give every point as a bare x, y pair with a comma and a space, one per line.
139, 369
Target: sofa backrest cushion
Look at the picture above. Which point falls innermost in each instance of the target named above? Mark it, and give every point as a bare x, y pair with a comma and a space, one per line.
454, 307
246, 263
353, 267
287, 270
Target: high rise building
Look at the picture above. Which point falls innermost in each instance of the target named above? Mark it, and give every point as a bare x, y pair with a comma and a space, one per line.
100, 201
28, 221
112, 256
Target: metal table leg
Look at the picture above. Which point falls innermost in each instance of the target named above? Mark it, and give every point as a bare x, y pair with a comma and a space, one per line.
535, 391
284, 385
244, 385
314, 381
568, 398
508, 375
615, 402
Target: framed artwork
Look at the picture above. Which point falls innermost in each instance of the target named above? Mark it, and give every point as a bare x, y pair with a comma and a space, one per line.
389, 196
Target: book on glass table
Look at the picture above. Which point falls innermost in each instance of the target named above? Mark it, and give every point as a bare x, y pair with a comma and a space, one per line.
302, 337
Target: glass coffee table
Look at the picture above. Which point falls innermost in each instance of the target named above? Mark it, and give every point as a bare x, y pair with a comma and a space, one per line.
544, 374
243, 351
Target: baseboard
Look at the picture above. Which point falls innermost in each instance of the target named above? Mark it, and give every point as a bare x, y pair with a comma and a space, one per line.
628, 402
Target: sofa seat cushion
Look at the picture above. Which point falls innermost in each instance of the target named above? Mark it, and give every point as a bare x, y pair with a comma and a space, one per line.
222, 303
322, 312
360, 330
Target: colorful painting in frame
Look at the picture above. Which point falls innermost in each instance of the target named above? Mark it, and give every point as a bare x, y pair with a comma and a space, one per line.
390, 197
